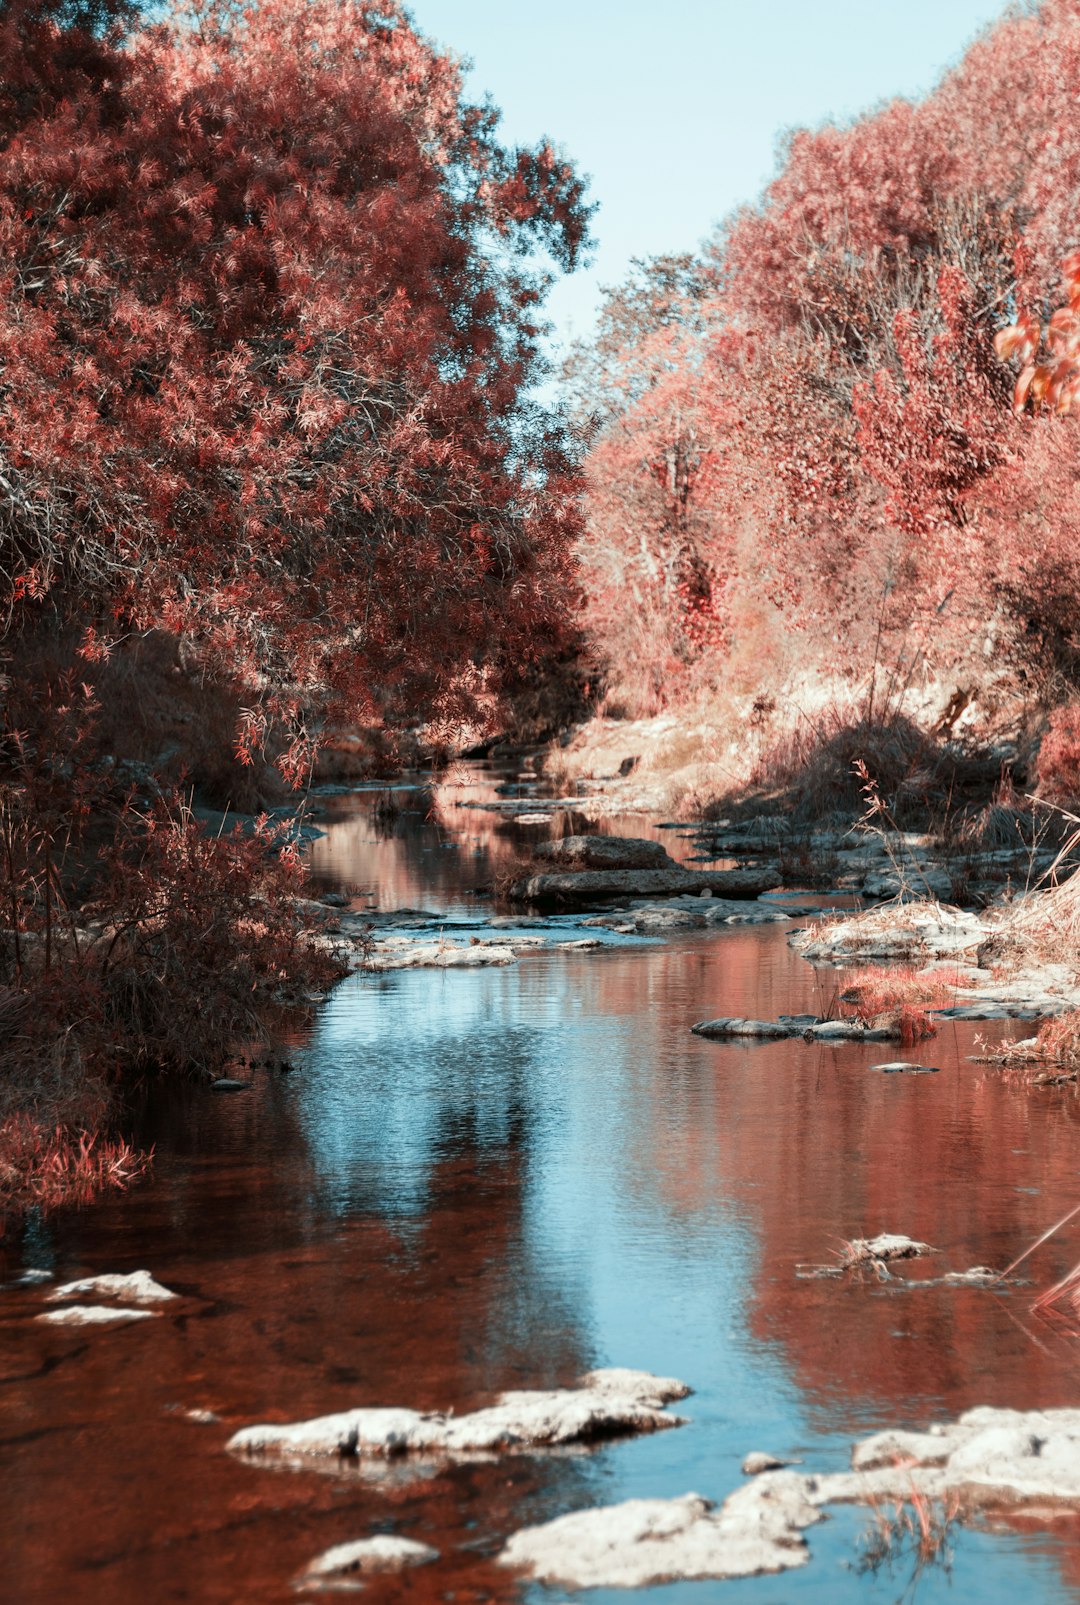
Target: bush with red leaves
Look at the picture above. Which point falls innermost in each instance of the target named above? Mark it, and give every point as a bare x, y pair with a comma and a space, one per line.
1057, 768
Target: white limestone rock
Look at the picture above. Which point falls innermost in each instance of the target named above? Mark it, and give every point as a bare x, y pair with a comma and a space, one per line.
605, 1402
383, 1553
94, 1315
138, 1287
644, 1542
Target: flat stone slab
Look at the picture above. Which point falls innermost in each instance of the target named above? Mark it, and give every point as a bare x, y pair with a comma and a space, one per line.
811, 1030
644, 1542
603, 1404
691, 912
1004, 1459
93, 1315
136, 1287
365, 1556
915, 930
403, 955
599, 885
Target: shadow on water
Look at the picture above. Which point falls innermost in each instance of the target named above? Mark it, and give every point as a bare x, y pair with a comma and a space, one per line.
501, 1178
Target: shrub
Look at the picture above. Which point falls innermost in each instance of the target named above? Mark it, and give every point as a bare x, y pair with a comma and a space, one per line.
1057, 767
901, 996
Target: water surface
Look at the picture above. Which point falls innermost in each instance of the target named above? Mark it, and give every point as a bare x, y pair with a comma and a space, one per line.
477, 1180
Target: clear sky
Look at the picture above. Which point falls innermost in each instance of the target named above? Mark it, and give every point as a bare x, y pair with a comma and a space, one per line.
673, 107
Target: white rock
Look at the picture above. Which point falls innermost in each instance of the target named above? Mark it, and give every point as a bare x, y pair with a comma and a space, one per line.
758, 1461
138, 1287
383, 1553
886, 1245
93, 1315
436, 956
899, 1447
604, 1402
643, 1542
911, 931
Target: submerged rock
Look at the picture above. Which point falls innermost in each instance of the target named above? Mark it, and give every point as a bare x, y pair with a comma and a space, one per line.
644, 1542
603, 1404
136, 1287
93, 1315
383, 1553
900, 1067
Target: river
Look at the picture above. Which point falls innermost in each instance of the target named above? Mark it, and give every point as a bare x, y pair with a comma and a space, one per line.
500, 1178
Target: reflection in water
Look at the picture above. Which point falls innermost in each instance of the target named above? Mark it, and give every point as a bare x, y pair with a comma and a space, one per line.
499, 1178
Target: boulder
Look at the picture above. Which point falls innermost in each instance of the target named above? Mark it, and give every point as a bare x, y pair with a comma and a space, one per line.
720, 1030
605, 852
602, 885
913, 930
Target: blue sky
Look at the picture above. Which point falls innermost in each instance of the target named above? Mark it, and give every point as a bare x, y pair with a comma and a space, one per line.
674, 109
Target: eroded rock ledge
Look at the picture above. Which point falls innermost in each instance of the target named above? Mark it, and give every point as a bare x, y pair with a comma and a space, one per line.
604, 1404
588, 869
1004, 1460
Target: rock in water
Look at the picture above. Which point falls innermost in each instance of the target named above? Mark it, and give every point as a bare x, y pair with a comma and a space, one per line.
383, 1553
137, 1287
758, 1462
604, 1403
644, 1542
605, 852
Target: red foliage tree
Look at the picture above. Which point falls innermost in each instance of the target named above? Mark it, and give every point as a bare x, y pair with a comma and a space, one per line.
268, 315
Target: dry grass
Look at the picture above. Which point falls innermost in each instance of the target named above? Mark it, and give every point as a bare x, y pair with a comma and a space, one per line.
916, 1531
48, 1168
900, 996
813, 764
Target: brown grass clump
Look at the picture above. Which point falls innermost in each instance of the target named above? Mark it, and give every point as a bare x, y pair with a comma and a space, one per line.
900, 997
48, 1168
813, 764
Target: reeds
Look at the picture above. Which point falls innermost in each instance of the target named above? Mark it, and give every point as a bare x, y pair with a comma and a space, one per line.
900, 996
48, 1168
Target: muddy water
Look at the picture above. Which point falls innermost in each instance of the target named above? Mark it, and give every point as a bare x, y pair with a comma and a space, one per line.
500, 1178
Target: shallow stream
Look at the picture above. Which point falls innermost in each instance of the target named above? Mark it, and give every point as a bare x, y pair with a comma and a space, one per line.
501, 1178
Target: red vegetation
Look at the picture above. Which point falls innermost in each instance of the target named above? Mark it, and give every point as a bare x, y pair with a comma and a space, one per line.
270, 319
1058, 766
51, 1168
268, 307
857, 464
900, 996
